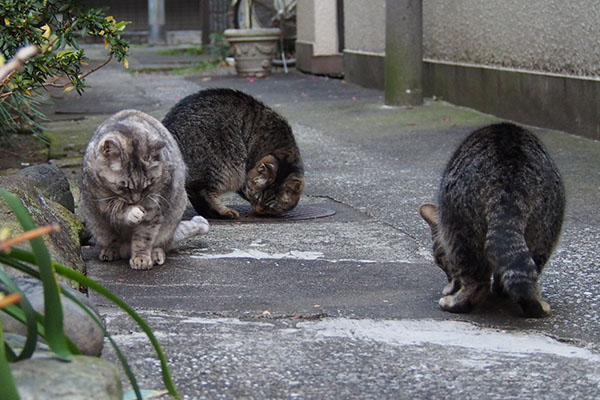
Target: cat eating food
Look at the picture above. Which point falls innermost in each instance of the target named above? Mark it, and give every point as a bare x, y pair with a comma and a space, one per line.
133, 190
500, 210
231, 142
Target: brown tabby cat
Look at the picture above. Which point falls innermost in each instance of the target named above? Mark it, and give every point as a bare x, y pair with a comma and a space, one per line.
232, 142
133, 194
501, 205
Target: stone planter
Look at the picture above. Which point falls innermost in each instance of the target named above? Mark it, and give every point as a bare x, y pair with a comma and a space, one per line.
253, 50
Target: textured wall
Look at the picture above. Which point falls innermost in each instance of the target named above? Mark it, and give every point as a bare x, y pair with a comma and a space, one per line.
326, 27
305, 21
317, 25
364, 26
543, 35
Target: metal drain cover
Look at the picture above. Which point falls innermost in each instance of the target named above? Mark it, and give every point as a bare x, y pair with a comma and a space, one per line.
300, 213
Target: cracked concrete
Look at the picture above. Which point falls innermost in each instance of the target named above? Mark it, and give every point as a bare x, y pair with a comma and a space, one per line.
346, 306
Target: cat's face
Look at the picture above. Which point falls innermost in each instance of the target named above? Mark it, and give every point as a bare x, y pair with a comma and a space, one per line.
128, 169
430, 215
268, 197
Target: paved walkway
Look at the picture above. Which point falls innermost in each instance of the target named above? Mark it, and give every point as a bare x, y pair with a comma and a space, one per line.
346, 306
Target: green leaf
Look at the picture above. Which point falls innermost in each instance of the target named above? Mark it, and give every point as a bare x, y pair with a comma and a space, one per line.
117, 349
53, 321
7, 383
95, 286
29, 313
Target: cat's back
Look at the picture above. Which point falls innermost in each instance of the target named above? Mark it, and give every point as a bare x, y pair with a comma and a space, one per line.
207, 110
500, 157
135, 125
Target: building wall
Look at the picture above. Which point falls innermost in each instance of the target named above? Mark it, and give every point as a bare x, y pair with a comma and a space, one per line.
325, 28
305, 15
317, 48
364, 26
364, 42
535, 61
554, 36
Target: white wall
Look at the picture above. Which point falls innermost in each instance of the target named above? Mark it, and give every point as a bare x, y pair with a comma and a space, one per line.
364, 26
317, 25
554, 36
544, 35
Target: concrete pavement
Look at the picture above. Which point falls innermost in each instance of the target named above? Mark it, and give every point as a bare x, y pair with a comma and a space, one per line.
345, 306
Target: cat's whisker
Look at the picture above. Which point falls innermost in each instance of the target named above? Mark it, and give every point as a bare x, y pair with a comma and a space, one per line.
158, 204
104, 198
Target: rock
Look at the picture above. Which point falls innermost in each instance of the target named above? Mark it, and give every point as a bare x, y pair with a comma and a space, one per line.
78, 325
52, 183
63, 245
46, 378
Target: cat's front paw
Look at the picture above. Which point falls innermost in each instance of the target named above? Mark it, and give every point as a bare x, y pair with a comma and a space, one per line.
135, 215
141, 261
452, 287
230, 213
108, 254
158, 256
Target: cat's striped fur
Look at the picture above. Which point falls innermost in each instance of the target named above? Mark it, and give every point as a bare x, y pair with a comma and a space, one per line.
133, 193
501, 205
230, 141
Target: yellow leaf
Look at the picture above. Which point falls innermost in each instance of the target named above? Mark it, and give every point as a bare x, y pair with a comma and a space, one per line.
69, 88
4, 233
84, 63
125, 63
110, 19
46, 30
28, 93
106, 44
6, 21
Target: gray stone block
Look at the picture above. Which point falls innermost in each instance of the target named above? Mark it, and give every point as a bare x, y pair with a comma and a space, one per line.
46, 378
78, 325
52, 183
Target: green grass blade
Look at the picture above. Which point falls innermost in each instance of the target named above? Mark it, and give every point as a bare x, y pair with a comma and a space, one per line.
18, 313
7, 383
95, 286
30, 321
117, 349
53, 322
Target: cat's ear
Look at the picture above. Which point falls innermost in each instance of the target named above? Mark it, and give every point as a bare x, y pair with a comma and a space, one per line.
267, 169
157, 145
429, 214
110, 148
155, 148
295, 183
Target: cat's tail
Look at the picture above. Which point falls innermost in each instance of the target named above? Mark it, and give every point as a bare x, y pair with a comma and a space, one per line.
515, 272
187, 229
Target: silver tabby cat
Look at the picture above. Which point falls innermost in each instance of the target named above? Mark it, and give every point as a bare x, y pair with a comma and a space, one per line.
501, 205
133, 194
232, 142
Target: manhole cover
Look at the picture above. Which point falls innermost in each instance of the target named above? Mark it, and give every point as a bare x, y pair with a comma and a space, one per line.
301, 212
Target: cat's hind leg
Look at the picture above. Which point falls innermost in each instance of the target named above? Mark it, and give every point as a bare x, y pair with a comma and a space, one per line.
109, 254
187, 229
471, 295
516, 269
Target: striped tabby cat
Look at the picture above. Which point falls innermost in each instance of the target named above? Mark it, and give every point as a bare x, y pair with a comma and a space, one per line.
133, 194
501, 205
233, 142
